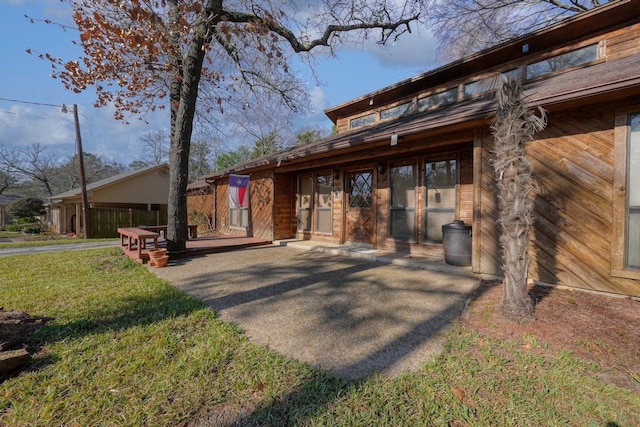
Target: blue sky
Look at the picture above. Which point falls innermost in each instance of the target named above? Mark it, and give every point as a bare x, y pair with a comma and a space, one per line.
352, 73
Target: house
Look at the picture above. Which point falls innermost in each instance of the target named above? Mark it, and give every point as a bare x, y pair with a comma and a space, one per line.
413, 156
132, 198
5, 201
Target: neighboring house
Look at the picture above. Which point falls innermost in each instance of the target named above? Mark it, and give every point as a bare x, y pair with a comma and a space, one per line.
5, 201
143, 190
416, 155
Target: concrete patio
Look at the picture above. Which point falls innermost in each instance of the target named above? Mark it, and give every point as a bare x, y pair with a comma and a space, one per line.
351, 315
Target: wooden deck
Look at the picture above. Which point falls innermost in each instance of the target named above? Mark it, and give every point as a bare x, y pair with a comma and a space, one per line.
202, 245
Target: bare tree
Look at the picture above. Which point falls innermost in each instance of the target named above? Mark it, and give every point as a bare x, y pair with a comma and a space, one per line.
463, 27
33, 162
515, 125
170, 50
155, 147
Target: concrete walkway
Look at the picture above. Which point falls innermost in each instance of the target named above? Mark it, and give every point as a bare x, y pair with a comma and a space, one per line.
352, 310
59, 248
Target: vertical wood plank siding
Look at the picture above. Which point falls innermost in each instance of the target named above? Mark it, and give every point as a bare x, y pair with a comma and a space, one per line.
261, 208
571, 238
284, 210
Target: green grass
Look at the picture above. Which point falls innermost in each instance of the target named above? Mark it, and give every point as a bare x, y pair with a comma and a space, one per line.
125, 348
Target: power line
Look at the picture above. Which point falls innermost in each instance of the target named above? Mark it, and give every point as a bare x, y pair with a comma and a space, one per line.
30, 102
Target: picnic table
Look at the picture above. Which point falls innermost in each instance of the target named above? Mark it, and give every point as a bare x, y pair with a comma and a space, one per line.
137, 236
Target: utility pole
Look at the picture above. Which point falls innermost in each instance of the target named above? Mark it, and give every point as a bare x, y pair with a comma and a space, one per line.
83, 185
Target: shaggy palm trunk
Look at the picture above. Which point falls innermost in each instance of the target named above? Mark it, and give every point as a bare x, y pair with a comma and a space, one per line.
514, 126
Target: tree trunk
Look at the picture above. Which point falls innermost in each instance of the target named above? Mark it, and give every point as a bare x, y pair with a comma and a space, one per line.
184, 94
515, 125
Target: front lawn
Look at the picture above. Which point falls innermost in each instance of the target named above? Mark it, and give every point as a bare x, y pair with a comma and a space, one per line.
125, 348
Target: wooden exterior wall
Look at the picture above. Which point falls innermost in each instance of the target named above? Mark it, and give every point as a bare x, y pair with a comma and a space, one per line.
284, 210
261, 206
261, 191
616, 44
573, 166
200, 209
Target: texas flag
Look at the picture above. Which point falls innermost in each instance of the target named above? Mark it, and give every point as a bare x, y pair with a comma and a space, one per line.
239, 191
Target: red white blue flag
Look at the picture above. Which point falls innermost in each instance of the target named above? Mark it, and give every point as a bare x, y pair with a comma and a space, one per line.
239, 191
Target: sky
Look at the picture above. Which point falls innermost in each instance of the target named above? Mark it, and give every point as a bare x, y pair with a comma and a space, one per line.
26, 85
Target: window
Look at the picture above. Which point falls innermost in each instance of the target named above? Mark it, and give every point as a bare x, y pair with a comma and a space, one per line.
439, 99
625, 253
239, 217
633, 194
563, 62
489, 84
362, 121
403, 201
397, 111
440, 200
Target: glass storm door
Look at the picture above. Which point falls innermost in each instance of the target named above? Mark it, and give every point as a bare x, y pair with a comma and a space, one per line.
440, 201
359, 214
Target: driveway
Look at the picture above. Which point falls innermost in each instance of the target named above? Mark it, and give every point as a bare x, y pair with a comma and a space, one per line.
347, 315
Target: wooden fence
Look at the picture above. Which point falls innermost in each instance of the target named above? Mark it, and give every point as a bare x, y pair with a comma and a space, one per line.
105, 221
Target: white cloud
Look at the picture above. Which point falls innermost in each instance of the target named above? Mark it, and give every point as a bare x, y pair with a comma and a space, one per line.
23, 126
102, 135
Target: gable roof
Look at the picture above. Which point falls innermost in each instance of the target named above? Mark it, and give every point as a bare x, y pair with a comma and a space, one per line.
109, 181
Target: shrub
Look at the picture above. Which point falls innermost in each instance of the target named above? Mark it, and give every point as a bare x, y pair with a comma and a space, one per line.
28, 209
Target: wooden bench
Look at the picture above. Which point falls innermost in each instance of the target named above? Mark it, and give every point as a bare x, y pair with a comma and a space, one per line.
162, 229
139, 237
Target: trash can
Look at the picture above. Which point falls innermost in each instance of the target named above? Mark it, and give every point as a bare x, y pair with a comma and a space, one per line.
456, 238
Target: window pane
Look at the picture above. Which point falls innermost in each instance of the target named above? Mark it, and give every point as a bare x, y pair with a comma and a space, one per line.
360, 187
634, 161
244, 217
633, 250
633, 188
403, 202
398, 111
233, 217
564, 61
323, 220
440, 200
362, 121
443, 98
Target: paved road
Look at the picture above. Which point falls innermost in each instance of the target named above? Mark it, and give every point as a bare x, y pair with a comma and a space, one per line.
57, 248
349, 315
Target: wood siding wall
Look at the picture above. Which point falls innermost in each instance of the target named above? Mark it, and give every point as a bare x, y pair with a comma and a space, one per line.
284, 209
200, 209
624, 42
618, 44
573, 162
261, 207
261, 190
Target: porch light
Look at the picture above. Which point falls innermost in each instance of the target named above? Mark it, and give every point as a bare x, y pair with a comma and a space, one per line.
394, 139
381, 168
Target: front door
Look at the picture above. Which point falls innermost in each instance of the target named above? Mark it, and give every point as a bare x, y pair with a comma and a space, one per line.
359, 212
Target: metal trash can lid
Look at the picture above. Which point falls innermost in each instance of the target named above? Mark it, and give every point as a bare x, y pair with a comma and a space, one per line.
457, 224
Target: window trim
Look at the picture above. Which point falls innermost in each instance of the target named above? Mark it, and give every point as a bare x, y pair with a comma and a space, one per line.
619, 228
